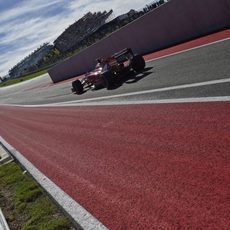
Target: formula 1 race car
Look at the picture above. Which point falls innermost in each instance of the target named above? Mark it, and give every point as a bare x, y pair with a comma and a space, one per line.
109, 70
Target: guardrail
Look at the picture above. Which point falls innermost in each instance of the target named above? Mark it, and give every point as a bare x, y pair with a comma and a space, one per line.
4, 156
3, 223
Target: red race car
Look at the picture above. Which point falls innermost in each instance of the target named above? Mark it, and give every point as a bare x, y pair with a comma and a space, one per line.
109, 70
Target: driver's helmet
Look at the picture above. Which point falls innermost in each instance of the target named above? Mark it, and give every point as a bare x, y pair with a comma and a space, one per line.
99, 60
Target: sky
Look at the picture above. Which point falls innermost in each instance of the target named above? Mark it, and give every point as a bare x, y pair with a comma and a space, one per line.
26, 24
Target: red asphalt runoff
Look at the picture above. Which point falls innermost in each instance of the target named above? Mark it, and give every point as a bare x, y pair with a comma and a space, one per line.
160, 166
137, 166
190, 44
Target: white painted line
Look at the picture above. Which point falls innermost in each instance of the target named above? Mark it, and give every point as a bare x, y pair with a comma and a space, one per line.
212, 82
82, 217
157, 101
184, 51
84, 101
138, 102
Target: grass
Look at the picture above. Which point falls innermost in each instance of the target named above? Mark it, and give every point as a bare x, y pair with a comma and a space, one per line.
26, 206
20, 79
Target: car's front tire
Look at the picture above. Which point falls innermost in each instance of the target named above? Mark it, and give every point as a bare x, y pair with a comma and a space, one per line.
108, 79
138, 63
77, 87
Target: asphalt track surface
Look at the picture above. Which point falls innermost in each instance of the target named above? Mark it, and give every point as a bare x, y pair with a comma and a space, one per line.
198, 65
158, 166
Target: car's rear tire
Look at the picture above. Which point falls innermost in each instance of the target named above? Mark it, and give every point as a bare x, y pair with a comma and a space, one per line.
77, 87
97, 85
138, 63
108, 79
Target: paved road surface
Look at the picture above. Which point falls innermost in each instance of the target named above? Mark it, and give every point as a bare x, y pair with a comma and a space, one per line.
199, 65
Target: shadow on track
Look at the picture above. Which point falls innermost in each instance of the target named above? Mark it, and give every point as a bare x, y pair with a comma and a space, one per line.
132, 77
129, 78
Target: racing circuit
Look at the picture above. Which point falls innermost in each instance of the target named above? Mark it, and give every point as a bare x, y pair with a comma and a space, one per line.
152, 152
131, 161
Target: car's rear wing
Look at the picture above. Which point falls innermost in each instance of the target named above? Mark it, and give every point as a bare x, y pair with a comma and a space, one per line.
123, 55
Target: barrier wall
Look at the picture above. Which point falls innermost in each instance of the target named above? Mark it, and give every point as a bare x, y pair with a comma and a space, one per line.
169, 24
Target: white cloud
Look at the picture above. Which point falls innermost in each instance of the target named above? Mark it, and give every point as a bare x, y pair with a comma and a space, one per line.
29, 24
25, 7
118, 6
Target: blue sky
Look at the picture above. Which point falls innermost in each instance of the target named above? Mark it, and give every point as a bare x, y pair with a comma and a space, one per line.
27, 24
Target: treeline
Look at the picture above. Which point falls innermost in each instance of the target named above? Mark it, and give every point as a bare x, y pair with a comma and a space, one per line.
153, 5
30, 62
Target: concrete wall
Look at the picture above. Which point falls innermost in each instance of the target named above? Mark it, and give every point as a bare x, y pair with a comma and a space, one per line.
171, 23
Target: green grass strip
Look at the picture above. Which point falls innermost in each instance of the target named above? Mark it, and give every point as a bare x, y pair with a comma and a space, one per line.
21, 79
30, 207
